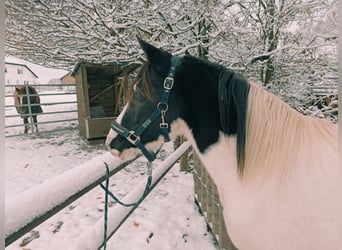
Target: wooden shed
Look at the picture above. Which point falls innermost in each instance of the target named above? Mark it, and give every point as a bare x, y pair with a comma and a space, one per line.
100, 89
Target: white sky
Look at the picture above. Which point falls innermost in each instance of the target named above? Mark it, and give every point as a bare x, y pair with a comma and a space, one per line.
44, 74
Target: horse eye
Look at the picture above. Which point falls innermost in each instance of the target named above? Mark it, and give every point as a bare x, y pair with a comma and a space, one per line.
138, 92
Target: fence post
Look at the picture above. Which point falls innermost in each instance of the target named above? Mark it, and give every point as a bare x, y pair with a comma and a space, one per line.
184, 160
28, 95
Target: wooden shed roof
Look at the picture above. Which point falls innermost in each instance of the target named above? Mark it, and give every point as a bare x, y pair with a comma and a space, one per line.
117, 67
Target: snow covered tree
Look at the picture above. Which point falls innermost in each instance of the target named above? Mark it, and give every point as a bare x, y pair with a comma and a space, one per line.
59, 33
288, 46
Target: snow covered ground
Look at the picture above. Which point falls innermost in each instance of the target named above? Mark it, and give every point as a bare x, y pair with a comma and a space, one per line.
167, 219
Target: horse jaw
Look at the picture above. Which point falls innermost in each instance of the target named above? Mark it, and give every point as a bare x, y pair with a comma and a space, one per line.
112, 134
130, 153
177, 128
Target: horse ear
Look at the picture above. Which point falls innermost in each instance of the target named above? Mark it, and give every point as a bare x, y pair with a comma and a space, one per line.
158, 59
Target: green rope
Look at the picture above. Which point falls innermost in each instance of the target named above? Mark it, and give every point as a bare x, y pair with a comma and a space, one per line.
108, 193
106, 209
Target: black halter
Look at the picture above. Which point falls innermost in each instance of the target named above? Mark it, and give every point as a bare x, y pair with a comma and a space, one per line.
133, 136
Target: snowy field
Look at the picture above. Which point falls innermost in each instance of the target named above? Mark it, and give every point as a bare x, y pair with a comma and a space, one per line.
167, 219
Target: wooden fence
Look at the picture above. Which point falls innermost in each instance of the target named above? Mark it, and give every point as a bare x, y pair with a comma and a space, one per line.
89, 175
206, 196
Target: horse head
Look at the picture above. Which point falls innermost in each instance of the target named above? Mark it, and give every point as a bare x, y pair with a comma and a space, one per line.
181, 94
20, 99
145, 110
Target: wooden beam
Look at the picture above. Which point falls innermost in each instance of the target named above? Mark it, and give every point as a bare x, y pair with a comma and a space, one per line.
118, 97
101, 93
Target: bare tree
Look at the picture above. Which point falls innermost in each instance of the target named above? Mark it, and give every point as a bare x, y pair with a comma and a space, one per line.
288, 46
59, 33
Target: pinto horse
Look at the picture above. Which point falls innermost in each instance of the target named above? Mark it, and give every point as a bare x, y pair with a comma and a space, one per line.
276, 170
27, 105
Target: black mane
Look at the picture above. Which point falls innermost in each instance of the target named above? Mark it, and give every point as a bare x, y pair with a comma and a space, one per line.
233, 95
220, 97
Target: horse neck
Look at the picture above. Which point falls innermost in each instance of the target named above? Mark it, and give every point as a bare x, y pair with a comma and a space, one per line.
196, 96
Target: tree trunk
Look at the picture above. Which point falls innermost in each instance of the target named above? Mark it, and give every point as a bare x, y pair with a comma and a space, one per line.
270, 40
203, 47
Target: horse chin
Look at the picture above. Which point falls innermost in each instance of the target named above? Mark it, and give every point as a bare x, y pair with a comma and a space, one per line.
127, 154
111, 135
130, 153
114, 152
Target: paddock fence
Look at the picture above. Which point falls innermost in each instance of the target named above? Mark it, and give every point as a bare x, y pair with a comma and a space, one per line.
90, 175
51, 197
59, 105
207, 198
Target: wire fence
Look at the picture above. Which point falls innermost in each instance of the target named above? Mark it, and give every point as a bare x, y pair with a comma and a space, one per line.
59, 105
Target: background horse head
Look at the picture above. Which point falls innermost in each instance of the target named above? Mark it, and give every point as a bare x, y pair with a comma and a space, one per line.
27, 105
276, 170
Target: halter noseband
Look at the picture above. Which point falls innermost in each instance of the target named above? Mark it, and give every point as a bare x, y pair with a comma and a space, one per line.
133, 136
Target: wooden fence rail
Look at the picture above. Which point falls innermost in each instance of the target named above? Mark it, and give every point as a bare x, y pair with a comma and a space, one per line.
93, 238
208, 200
54, 195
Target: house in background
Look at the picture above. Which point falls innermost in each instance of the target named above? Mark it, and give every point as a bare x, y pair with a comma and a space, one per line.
18, 74
68, 79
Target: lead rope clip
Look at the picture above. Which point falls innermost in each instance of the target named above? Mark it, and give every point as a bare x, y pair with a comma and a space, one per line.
149, 168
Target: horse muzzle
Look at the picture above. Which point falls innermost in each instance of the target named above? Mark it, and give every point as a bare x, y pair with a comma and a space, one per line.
120, 147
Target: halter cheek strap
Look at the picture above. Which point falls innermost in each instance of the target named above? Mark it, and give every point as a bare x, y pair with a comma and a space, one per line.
134, 136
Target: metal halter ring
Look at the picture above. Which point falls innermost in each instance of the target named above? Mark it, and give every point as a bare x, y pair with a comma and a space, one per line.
162, 107
133, 138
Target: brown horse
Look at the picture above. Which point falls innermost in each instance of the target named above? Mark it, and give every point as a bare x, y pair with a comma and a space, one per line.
27, 105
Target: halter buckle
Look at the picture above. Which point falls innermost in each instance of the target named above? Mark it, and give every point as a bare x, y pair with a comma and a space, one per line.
168, 83
132, 137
